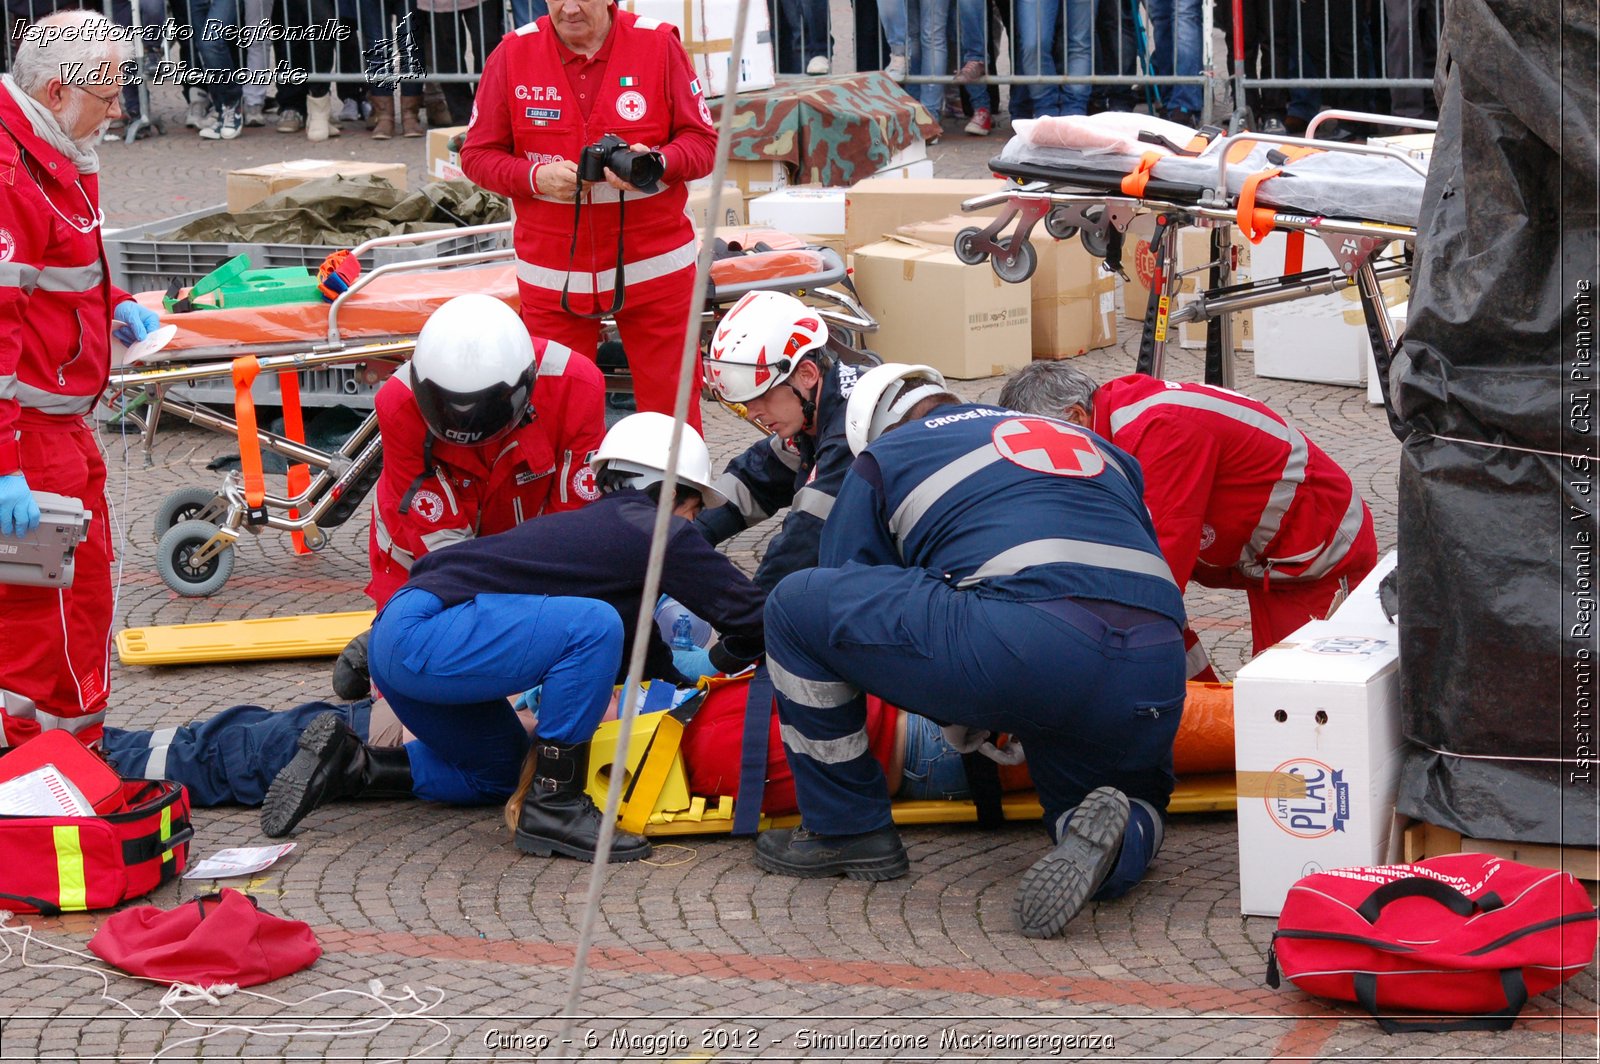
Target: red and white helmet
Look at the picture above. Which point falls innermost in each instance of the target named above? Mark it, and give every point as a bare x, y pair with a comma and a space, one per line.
759, 343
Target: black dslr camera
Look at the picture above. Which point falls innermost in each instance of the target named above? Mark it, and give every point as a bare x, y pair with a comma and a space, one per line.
641, 169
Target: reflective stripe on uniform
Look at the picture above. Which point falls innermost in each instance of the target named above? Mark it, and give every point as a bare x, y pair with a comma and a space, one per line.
72, 892
585, 283
1278, 503
827, 751
8, 386
818, 694
784, 453
921, 498
380, 534
155, 765
1195, 661
444, 537
738, 493
818, 504
553, 363
599, 193
71, 278
16, 706
1323, 563
18, 275
1073, 551
51, 402
70, 725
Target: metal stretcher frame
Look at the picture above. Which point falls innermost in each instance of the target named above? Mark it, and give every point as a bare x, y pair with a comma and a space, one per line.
1090, 203
198, 527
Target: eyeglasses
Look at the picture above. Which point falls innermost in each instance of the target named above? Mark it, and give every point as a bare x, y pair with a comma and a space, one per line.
105, 101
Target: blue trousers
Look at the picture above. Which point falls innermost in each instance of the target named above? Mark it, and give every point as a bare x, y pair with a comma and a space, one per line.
1094, 705
448, 673
230, 758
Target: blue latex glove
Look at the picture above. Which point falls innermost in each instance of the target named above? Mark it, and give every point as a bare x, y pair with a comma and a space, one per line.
693, 663
19, 514
137, 321
529, 699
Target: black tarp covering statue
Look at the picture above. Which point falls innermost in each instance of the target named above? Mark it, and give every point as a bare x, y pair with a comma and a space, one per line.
1493, 396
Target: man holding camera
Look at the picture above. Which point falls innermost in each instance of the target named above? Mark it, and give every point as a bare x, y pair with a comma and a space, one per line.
592, 121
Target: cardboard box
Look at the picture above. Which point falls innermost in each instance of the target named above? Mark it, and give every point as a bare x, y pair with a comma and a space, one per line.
1361, 608
1194, 250
1418, 146
442, 163
1320, 339
1318, 750
878, 207
921, 170
810, 209
932, 309
706, 28
730, 207
1073, 302
753, 178
246, 188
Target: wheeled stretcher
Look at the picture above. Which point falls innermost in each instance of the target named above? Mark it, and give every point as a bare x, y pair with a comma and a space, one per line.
372, 326
1091, 177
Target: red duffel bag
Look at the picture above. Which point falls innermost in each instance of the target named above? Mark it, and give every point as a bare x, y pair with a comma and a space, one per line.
1465, 933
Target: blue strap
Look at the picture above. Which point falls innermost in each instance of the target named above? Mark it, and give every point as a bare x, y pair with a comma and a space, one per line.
658, 695
753, 753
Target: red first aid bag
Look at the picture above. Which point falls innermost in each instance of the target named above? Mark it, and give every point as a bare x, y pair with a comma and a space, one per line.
57, 864
216, 938
1465, 933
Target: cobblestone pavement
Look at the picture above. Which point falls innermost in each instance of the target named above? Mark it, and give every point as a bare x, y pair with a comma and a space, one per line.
697, 955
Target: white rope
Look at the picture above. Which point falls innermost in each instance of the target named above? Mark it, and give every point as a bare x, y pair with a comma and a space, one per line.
645, 622
1506, 757
1575, 459
185, 993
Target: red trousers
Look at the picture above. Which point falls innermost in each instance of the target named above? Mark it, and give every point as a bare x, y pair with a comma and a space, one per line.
55, 643
650, 326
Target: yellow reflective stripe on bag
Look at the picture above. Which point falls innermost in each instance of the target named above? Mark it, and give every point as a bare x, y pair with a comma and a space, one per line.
166, 832
73, 891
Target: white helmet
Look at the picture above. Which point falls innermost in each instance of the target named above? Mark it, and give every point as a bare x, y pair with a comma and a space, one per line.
883, 396
759, 343
639, 444
473, 370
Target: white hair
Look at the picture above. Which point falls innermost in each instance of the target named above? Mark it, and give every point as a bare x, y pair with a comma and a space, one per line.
75, 47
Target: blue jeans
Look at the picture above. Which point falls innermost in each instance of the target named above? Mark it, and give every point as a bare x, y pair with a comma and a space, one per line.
1093, 704
892, 14
211, 50
524, 12
1184, 58
933, 768
230, 758
933, 51
448, 672
1036, 29
972, 32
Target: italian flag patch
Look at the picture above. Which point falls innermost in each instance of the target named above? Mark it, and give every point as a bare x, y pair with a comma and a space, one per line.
625, 82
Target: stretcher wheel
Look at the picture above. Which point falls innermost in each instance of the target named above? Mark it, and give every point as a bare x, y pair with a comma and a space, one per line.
315, 538
1017, 263
1055, 224
1096, 241
967, 246
179, 573
185, 504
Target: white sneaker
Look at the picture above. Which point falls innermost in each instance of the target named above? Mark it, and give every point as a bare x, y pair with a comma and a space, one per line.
351, 112
896, 68
818, 66
255, 114
199, 107
229, 124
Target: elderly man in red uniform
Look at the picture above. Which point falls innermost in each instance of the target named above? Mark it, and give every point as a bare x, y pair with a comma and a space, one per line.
1240, 498
57, 305
552, 88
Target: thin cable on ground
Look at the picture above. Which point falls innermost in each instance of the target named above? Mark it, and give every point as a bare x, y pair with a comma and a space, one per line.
182, 993
687, 373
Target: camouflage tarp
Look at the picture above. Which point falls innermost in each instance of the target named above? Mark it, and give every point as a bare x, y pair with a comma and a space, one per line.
830, 130
344, 211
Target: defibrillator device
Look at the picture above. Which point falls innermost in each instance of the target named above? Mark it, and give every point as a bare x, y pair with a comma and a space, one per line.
44, 557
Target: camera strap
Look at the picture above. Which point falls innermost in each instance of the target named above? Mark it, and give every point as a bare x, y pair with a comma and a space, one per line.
572, 255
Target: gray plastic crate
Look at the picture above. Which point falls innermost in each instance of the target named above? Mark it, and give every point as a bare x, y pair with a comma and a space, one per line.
143, 260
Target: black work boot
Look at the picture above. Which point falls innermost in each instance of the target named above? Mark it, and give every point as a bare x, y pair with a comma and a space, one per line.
350, 677
872, 855
1054, 890
559, 817
332, 764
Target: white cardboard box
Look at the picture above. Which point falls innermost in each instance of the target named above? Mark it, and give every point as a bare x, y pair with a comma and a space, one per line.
706, 27
1318, 749
1320, 339
811, 209
1361, 608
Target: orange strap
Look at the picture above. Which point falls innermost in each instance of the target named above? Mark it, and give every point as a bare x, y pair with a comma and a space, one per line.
1134, 183
1294, 252
1255, 224
245, 371
294, 427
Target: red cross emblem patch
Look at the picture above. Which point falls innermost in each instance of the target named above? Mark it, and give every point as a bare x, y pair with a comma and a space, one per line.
631, 105
1048, 447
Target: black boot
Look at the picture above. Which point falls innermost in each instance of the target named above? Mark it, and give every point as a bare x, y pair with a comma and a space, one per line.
350, 677
558, 815
332, 764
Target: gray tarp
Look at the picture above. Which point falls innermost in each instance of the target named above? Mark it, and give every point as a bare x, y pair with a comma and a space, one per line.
344, 211
1493, 391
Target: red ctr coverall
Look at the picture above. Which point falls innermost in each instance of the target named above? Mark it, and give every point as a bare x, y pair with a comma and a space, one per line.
1240, 499
459, 492
539, 103
56, 301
